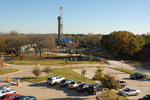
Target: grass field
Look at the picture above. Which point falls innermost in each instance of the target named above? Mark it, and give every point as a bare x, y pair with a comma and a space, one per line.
8, 70
32, 59
67, 73
112, 96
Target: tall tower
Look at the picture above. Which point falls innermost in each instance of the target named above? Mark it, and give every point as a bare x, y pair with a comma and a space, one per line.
61, 21
60, 25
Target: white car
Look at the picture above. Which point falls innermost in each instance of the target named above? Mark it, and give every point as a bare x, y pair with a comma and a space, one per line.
5, 87
55, 79
129, 91
6, 91
74, 84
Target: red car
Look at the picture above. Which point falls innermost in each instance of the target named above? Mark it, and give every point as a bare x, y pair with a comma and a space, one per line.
9, 96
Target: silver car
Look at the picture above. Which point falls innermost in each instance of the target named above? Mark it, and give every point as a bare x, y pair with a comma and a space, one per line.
129, 91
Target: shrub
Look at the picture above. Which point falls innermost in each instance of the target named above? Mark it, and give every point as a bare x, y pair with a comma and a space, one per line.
36, 71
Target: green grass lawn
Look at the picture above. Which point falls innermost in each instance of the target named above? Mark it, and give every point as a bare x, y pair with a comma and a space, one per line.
112, 96
129, 71
8, 70
32, 59
67, 73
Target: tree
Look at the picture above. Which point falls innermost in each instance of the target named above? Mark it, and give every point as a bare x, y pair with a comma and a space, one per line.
122, 42
36, 71
2, 64
83, 72
75, 59
98, 73
46, 70
15, 42
91, 57
110, 82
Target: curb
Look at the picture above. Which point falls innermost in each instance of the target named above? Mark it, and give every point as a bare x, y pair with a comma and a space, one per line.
11, 73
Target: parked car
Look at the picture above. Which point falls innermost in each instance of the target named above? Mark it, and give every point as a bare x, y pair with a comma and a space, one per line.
65, 82
137, 76
94, 88
146, 97
129, 91
25, 98
7, 59
83, 87
5, 87
74, 84
55, 79
9, 96
4, 91
122, 84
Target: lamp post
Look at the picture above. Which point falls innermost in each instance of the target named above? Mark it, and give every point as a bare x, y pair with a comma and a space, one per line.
71, 65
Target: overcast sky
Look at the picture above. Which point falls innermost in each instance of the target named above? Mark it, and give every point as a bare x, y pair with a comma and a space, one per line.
80, 16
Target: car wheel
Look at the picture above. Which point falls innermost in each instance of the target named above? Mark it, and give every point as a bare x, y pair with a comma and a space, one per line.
137, 94
95, 92
122, 86
55, 83
126, 95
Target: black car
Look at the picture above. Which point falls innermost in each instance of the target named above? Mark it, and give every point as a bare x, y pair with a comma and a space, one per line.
94, 88
82, 87
137, 76
25, 98
65, 82
146, 97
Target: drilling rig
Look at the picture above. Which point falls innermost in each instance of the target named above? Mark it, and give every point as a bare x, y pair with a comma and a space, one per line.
61, 40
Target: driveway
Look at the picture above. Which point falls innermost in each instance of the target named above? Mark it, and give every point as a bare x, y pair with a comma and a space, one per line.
141, 84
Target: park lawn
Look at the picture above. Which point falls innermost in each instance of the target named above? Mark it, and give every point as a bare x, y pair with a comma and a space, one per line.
8, 70
67, 73
112, 96
32, 59
129, 71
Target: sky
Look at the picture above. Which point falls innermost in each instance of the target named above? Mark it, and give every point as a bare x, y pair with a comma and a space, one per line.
79, 16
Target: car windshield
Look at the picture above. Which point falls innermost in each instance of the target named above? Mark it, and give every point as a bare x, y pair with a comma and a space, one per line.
3, 97
91, 87
49, 78
127, 90
146, 97
63, 81
72, 83
81, 85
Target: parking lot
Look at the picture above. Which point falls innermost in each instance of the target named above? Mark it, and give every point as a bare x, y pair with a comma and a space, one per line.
44, 91
141, 84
